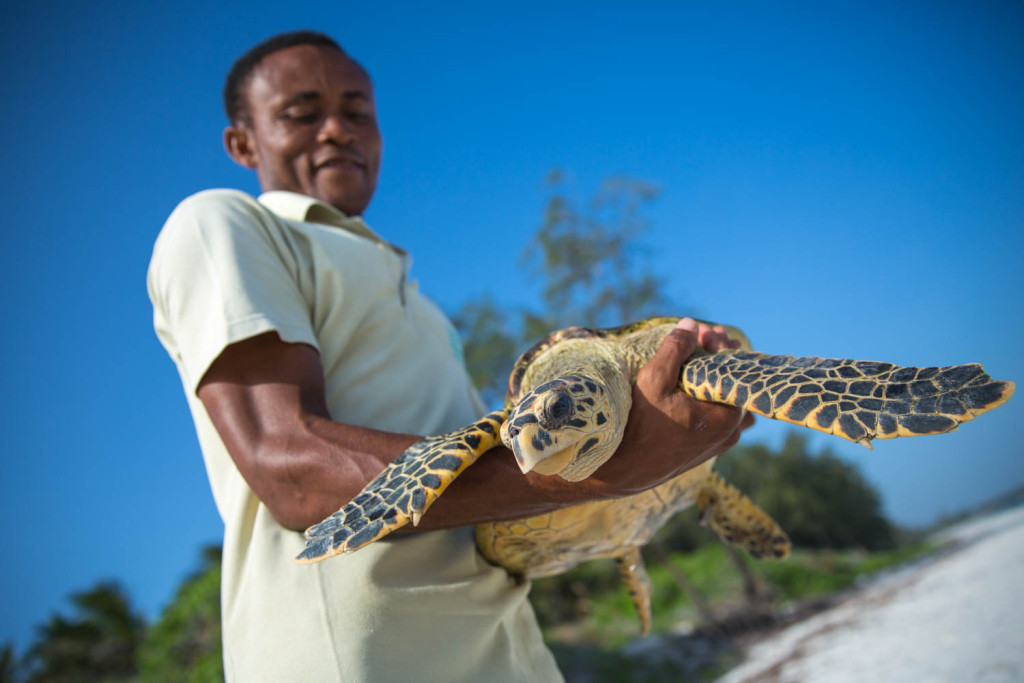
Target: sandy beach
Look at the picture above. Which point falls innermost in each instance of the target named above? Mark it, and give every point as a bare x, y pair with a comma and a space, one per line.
958, 616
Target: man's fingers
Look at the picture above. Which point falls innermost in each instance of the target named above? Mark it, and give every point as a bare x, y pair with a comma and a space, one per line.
714, 338
734, 438
717, 418
731, 421
667, 363
730, 442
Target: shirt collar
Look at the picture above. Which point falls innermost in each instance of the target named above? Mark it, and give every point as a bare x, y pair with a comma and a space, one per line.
299, 207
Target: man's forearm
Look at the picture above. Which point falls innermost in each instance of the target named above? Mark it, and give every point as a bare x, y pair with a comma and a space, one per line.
305, 473
266, 400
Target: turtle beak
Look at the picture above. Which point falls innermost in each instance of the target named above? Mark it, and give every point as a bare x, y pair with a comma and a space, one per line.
537, 450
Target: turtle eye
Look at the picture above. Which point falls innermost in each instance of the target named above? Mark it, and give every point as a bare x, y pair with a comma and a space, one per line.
560, 408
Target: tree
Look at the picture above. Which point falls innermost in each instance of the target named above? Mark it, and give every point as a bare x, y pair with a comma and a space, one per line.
9, 666
590, 264
589, 258
820, 500
185, 643
98, 644
492, 346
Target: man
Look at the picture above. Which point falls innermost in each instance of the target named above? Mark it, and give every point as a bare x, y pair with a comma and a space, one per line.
310, 363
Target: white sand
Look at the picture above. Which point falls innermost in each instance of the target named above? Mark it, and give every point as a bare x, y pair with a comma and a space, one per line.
955, 619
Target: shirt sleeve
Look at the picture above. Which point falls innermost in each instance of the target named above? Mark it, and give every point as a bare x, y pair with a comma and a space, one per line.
224, 269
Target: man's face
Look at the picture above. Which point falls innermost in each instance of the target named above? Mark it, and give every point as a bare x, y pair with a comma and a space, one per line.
313, 127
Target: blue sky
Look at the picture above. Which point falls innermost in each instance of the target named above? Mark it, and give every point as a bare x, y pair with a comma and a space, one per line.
843, 182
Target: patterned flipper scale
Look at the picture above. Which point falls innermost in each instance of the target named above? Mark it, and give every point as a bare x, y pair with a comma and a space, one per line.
403, 491
857, 400
738, 521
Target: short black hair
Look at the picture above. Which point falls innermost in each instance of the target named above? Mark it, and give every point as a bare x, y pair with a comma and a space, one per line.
235, 105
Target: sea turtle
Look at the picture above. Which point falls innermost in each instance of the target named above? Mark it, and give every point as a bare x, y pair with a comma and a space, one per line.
565, 413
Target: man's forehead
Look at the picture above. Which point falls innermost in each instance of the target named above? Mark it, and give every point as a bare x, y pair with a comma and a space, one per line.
306, 69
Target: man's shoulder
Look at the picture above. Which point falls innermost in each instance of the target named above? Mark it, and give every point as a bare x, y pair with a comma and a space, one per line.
210, 217
219, 210
218, 200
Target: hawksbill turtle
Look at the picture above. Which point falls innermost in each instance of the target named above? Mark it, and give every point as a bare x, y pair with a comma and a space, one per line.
565, 414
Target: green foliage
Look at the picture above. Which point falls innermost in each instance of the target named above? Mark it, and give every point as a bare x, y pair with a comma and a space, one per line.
185, 644
600, 653
9, 665
805, 574
590, 266
492, 346
813, 573
586, 257
820, 500
98, 643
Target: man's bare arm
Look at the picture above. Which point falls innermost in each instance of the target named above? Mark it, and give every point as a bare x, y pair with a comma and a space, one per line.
266, 400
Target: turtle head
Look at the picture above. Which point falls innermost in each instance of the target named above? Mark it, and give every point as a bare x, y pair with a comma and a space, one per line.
566, 427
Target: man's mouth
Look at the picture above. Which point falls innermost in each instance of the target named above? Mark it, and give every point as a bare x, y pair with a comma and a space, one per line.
340, 163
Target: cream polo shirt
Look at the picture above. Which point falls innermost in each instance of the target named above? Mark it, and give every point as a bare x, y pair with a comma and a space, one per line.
423, 607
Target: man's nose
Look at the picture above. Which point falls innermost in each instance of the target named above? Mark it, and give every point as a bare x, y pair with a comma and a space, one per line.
336, 129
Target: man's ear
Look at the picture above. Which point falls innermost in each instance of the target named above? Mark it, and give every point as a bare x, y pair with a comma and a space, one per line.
238, 141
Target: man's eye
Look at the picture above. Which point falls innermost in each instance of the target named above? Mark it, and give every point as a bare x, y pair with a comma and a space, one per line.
299, 116
358, 116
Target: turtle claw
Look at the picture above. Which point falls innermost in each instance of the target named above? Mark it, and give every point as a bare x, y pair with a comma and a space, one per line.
403, 492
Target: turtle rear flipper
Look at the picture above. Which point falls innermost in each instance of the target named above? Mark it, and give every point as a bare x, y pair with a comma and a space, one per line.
857, 400
634, 575
403, 491
738, 521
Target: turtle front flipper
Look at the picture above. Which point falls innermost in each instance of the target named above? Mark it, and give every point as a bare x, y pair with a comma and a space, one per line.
634, 575
403, 491
738, 521
857, 400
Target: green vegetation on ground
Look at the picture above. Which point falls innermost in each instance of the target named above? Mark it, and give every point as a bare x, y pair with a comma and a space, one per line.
603, 638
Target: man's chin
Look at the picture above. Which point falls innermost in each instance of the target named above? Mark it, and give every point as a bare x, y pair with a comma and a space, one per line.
350, 204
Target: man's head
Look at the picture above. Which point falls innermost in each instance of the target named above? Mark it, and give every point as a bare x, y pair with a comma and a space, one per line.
301, 114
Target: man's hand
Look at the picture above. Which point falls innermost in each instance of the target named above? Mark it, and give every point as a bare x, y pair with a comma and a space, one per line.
669, 432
